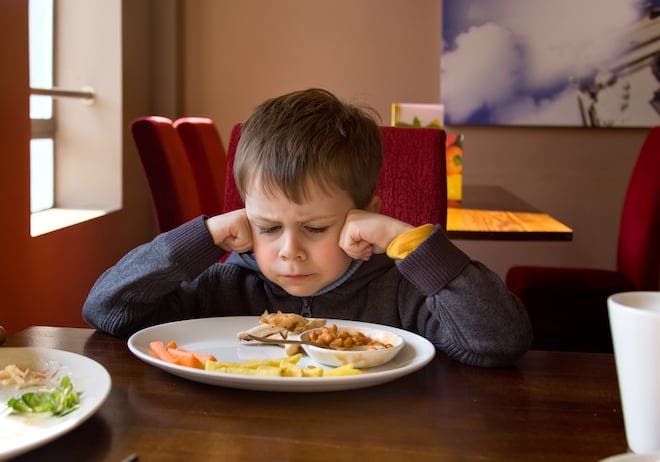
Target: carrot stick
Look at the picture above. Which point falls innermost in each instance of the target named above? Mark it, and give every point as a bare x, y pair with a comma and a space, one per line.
158, 349
172, 354
203, 357
185, 358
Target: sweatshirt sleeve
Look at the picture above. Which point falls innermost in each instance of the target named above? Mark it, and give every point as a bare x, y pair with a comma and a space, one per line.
468, 312
152, 283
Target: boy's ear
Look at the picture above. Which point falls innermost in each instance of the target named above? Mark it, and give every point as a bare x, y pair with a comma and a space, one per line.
374, 205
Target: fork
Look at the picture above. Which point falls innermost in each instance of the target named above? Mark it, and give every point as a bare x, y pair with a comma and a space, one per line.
284, 341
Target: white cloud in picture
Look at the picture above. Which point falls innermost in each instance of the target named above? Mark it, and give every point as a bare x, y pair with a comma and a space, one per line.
489, 80
565, 37
529, 62
544, 112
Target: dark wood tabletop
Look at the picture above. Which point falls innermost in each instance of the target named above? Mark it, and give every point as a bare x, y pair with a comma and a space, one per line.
552, 406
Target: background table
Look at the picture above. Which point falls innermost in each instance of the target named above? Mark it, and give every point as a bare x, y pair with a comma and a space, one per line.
493, 213
552, 406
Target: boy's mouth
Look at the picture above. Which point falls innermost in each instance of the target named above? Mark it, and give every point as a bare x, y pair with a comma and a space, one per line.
295, 276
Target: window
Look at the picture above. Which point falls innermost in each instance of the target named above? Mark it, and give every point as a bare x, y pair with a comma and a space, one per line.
76, 147
41, 107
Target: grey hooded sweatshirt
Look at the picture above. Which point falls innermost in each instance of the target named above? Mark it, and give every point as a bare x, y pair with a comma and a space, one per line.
458, 304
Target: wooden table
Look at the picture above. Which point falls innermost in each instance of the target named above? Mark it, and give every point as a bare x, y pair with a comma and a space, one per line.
553, 406
493, 213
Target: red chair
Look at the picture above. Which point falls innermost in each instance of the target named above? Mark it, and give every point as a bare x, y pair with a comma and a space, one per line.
568, 306
412, 183
413, 179
208, 159
169, 173
233, 199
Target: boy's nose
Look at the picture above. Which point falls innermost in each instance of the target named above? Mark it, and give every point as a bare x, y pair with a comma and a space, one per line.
291, 248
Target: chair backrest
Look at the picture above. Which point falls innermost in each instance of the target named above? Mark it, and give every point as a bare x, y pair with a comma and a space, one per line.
168, 171
639, 234
413, 180
233, 199
208, 159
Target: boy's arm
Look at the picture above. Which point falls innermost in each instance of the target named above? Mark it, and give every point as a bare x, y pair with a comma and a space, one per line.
471, 314
152, 283
468, 311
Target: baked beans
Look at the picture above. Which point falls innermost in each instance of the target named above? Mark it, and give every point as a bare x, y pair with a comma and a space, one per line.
336, 338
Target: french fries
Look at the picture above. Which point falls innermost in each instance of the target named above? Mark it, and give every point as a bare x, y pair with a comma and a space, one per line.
281, 367
346, 369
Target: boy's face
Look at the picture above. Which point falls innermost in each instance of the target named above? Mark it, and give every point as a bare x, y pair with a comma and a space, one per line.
297, 245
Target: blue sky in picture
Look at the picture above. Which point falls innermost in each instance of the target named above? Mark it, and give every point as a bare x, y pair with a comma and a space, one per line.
559, 62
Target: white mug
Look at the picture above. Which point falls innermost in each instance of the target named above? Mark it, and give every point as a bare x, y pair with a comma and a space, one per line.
635, 326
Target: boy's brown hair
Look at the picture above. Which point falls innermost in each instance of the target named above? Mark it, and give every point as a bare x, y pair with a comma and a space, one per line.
309, 135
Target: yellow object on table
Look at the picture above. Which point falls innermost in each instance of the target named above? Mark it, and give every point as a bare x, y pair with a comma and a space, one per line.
454, 158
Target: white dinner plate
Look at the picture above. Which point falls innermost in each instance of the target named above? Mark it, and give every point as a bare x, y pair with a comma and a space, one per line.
20, 433
632, 457
217, 336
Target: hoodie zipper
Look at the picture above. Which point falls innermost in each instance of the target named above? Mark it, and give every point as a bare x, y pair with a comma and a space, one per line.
307, 307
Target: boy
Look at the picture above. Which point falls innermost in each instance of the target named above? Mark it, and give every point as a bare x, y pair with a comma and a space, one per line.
310, 241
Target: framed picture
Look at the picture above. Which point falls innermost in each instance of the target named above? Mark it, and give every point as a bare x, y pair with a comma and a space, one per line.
418, 115
590, 63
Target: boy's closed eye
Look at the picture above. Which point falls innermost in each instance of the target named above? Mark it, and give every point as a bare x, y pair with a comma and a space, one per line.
268, 229
274, 229
317, 230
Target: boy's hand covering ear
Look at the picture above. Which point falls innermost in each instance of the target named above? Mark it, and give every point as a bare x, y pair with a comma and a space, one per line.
365, 233
231, 231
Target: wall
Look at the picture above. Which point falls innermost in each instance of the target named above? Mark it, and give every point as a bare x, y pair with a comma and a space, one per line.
577, 175
44, 280
239, 53
236, 54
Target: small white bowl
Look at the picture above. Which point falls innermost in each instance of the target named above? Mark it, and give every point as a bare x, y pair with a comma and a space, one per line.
359, 358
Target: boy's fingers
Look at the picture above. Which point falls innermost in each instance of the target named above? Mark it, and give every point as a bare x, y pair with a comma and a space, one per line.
358, 250
239, 240
237, 244
350, 237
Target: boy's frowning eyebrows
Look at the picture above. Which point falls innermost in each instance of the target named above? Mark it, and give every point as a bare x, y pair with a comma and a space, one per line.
265, 218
